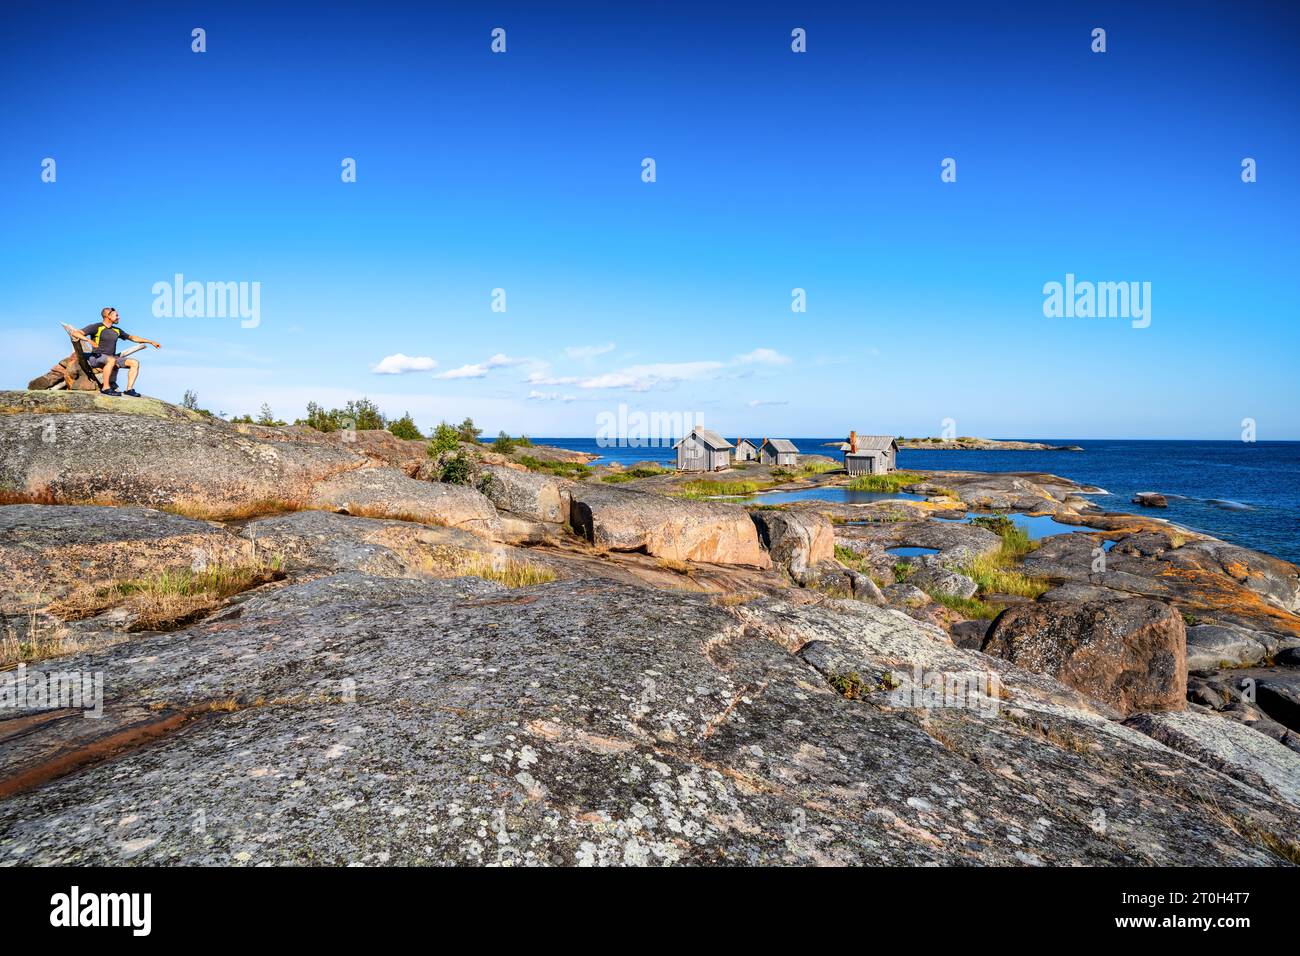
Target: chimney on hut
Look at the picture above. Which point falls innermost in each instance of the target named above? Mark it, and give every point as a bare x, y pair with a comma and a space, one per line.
853, 442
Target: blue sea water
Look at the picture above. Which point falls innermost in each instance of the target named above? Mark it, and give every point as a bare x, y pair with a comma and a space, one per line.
1246, 492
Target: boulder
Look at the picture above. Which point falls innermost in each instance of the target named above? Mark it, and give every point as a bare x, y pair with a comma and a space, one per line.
48, 550
905, 595
935, 577
1288, 657
525, 493
1150, 499
389, 493
67, 372
833, 578
795, 540
358, 720
1211, 646
623, 519
1278, 694
969, 634
1131, 655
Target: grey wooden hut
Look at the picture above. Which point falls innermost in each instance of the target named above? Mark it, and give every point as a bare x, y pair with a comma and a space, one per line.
778, 451
703, 450
870, 454
746, 450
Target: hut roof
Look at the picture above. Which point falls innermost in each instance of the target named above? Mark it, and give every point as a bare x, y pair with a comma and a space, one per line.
868, 443
709, 437
782, 445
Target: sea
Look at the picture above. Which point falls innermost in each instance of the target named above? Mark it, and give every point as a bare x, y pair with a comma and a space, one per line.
1244, 492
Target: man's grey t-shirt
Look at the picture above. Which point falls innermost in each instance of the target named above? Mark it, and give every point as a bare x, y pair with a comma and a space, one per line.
105, 338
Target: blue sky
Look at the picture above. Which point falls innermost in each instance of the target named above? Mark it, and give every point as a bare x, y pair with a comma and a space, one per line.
775, 170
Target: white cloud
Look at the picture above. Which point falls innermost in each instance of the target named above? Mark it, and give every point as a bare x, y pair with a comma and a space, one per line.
640, 378
537, 396
543, 378
399, 363
480, 369
588, 351
763, 357
759, 403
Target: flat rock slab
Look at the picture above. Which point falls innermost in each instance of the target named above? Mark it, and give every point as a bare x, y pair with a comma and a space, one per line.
389, 493
322, 541
131, 457
678, 529
1227, 745
354, 719
47, 550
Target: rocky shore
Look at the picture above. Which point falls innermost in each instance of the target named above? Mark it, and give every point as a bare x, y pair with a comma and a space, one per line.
312, 653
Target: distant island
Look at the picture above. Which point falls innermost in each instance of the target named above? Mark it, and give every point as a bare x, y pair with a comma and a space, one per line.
980, 444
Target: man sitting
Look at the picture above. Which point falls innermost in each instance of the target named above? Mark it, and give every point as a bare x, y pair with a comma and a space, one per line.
103, 336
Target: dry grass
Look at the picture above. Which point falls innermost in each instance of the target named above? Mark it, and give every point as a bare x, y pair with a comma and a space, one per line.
236, 511
167, 599
676, 566
456, 563
12, 496
1060, 734
43, 638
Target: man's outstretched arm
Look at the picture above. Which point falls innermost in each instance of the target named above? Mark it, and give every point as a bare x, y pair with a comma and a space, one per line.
136, 338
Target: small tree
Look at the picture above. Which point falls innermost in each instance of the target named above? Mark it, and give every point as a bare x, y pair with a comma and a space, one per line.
456, 470
364, 415
445, 439
267, 417
319, 419
191, 400
404, 427
504, 444
467, 431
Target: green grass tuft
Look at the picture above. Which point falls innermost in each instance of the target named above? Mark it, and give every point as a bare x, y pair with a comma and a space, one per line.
892, 481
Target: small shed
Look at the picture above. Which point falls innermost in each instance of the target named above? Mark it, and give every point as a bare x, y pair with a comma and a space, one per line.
778, 451
703, 450
870, 454
746, 450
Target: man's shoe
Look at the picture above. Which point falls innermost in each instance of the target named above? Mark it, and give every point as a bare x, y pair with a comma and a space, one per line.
111, 392
132, 392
